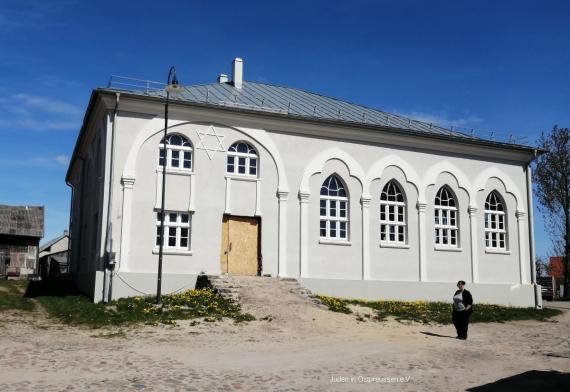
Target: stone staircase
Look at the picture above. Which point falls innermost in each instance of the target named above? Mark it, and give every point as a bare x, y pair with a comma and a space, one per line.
224, 285
296, 288
229, 286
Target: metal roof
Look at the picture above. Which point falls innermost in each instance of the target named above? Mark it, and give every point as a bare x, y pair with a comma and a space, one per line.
264, 97
22, 220
52, 242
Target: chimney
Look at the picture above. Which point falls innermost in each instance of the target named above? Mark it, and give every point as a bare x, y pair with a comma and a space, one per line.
223, 78
237, 72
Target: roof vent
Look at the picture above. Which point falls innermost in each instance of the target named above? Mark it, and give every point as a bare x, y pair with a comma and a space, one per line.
223, 78
237, 73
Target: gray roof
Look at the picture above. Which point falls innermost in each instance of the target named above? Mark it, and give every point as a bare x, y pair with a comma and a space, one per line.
22, 220
298, 103
52, 242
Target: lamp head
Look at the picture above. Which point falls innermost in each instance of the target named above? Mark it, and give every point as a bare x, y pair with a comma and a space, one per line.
173, 86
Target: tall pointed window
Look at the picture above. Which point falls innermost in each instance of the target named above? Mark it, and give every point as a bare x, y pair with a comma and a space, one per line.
242, 160
495, 223
178, 152
334, 210
392, 215
445, 214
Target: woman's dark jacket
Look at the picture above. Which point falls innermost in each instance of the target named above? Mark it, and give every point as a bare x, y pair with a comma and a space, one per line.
467, 300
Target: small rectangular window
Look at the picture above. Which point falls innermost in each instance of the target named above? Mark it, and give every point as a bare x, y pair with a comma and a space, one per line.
253, 166
175, 158
187, 160
241, 165
177, 230
342, 209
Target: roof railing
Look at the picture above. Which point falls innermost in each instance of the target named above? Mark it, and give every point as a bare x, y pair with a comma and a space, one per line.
134, 84
369, 116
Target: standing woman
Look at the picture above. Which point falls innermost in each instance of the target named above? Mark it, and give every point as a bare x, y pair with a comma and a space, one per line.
462, 309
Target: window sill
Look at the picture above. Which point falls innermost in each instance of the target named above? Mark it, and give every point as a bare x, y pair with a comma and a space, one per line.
179, 172
498, 251
394, 246
447, 249
180, 252
242, 177
335, 242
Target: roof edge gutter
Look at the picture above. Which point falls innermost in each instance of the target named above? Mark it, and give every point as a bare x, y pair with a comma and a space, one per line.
394, 130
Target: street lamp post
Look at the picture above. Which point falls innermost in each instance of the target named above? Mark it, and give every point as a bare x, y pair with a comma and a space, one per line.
172, 86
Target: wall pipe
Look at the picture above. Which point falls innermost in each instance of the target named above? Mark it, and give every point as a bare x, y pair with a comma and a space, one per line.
537, 300
108, 235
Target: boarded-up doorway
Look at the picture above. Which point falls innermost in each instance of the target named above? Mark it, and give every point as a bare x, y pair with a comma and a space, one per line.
240, 253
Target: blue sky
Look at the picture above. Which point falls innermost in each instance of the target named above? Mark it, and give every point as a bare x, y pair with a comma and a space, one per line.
490, 65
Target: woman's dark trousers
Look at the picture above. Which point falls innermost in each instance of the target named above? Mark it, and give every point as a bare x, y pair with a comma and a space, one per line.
461, 322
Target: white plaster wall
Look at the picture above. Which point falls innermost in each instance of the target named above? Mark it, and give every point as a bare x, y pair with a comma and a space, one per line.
421, 173
500, 294
394, 263
304, 163
499, 267
209, 204
453, 264
331, 260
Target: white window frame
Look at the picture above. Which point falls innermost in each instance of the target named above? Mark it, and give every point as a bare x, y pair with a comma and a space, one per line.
495, 215
236, 159
446, 220
172, 149
174, 229
395, 225
330, 222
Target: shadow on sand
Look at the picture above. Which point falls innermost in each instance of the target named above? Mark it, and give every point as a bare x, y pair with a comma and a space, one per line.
531, 381
437, 335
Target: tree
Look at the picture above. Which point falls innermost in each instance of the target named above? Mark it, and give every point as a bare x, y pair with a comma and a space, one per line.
552, 188
541, 267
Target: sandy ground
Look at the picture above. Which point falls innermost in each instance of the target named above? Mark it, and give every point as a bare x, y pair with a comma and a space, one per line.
303, 348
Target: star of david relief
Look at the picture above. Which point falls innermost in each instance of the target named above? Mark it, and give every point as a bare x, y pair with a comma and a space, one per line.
210, 141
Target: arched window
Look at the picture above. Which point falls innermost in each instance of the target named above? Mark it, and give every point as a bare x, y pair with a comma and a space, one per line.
334, 210
392, 215
446, 225
242, 160
178, 152
495, 223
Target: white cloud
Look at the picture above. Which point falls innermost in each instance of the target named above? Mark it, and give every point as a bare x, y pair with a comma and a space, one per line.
48, 105
36, 113
38, 161
442, 119
62, 160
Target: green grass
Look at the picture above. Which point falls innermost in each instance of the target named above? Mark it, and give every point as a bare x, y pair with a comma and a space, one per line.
191, 304
75, 309
438, 312
12, 296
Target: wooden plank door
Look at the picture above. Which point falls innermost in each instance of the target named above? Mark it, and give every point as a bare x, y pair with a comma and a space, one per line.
240, 246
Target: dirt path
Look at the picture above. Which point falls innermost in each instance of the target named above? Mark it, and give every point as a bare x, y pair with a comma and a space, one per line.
303, 348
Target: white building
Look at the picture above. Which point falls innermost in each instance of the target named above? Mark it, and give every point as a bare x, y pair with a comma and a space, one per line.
262, 179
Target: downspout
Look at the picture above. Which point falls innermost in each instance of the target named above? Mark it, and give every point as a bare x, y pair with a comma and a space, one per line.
69, 225
537, 294
110, 256
71, 211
